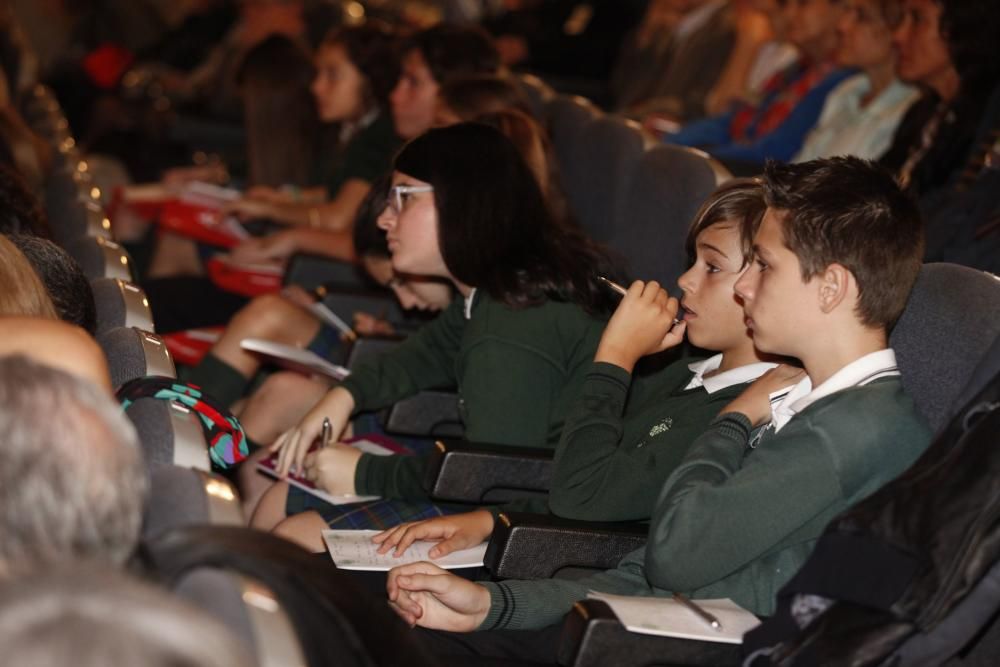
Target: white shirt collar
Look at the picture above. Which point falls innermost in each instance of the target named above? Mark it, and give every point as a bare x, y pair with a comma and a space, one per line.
468, 304
715, 383
855, 374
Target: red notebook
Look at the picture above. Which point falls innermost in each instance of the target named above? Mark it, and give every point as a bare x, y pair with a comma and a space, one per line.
202, 223
188, 347
246, 279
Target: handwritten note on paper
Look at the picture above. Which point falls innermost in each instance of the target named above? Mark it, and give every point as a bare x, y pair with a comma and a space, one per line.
668, 618
354, 550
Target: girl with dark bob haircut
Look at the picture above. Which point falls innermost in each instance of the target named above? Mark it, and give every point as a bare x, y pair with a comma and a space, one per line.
465, 207
494, 225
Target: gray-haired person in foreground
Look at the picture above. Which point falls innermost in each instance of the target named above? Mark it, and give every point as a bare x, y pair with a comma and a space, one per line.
72, 480
92, 617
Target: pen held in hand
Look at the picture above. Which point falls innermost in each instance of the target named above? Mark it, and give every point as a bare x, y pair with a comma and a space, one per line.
712, 621
621, 290
327, 433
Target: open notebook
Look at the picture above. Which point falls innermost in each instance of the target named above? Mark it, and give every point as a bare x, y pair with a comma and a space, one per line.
294, 358
354, 550
668, 618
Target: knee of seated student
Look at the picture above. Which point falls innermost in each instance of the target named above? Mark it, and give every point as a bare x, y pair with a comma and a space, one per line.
271, 508
304, 529
280, 402
273, 317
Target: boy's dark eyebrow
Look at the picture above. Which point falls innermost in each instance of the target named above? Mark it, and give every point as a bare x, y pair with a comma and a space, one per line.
709, 246
760, 250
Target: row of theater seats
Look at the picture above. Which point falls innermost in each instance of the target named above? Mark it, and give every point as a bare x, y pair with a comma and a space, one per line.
183, 490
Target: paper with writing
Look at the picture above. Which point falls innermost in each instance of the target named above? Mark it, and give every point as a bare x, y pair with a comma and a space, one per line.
668, 618
354, 550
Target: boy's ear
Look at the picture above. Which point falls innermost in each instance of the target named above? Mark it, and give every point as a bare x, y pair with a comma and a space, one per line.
834, 287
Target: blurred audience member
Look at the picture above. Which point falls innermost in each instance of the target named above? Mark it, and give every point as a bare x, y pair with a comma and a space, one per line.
861, 114
90, 616
64, 280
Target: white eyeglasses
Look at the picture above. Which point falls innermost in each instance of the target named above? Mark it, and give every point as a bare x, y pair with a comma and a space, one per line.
398, 195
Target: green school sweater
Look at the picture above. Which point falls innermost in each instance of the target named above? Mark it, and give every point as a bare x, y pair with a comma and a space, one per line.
623, 438
737, 522
516, 372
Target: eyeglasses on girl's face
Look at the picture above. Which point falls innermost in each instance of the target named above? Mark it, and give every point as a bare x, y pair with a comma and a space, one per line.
400, 194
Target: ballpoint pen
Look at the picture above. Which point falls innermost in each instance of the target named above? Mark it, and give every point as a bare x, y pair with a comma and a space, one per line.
621, 290
704, 615
327, 433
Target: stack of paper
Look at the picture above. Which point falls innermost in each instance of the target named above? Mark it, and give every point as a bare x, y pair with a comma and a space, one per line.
669, 618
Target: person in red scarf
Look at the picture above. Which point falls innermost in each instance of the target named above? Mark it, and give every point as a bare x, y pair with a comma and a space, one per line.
775, 126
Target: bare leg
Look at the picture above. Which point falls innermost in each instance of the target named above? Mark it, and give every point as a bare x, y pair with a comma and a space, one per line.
271, 317
279, 404
175, 256
271, 508
304, 529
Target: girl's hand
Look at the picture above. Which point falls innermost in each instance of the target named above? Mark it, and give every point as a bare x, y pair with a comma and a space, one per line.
332, 469
643, 324
457, 531
294, 443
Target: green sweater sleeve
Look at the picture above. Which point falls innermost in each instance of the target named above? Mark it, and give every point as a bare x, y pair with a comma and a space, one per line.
525, 605
425, 360
612, 460
718, 512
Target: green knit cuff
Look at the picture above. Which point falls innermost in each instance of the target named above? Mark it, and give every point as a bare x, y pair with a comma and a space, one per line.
733, 425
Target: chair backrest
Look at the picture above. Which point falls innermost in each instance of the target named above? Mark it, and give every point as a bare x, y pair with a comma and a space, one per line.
187, 497
667, 187
120, 304
100, 258
565, 118
133, 353
600, 167
950, 321
248, 608
170, 434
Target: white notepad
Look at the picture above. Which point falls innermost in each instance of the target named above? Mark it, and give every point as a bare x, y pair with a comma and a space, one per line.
354, 550
294, 358
666, 617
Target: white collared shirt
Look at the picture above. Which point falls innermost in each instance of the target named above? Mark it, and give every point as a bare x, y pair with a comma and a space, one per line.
696, 18
855, 374
715, 383
468, 304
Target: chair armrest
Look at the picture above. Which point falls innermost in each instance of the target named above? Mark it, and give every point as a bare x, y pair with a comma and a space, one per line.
466, 472
536, 546
429, 413
593, 637
309, 271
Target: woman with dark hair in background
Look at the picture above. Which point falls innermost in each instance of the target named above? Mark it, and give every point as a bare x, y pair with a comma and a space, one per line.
948, 48
465, 207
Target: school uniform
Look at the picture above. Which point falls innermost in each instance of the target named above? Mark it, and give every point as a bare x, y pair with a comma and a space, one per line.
742, 512
517, 372
626, 435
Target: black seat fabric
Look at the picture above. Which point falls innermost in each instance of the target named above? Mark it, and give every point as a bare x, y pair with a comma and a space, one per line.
951, 319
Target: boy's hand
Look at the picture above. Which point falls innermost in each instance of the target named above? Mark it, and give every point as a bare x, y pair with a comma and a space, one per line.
755, 401
425, 595
457, 531
643, 324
